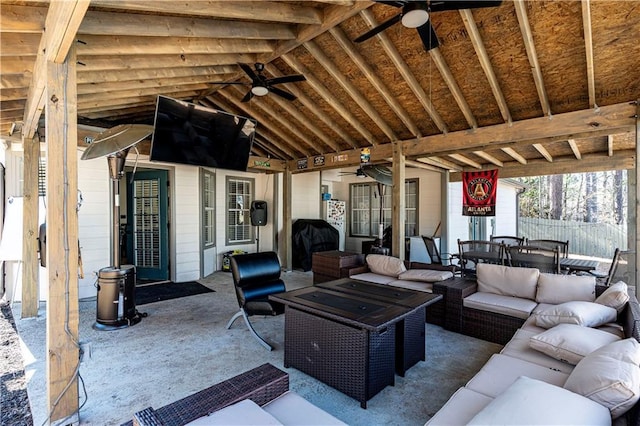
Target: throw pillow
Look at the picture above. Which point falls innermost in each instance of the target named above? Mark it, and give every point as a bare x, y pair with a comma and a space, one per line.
587, 314
609, 376
557, 288
616, 296
533, 402
385, 265
425, 275
570, 343
507, 280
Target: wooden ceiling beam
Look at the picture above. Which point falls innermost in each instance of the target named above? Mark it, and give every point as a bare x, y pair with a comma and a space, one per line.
490, 158
532, 55
574, 147
465, 160
62, 22
447, 75
406, 73
543, 151
350, 88
420, 165
97, 63
157, 84
588, 45
313, 108
384, 91
440, 162
513, 154
485, 62
610, 145
249, 10
98, 101
132, 45
145, 91
333, 102
205, 74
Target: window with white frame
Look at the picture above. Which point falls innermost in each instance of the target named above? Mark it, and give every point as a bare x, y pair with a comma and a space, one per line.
239, 197
365, 208
208, 209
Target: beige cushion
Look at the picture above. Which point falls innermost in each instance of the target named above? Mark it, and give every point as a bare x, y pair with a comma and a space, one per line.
506, 280
533, 402
609, 376
556, 288
412, 285
373, 278
425, 275
245, 412
587, 314
460, 408
292, 409
506, 305
519, 347
385, 265
570, 343
616, 296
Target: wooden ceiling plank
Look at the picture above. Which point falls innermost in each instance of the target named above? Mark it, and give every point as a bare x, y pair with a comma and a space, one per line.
588, 45
350, 88
440, 162
420, 165
532, 55
249, 10
513, 154
406, 73
375, 80
463, 159
575, 149
23, 19
447, 75
62, 22
490, 158
317, 85
543, 151
146, 91
15, 81
266, 122
222, 61
157, 84
610, 119
132, 45
208, 74
610, 145
305, 122
313, 108
485, 62
17, 64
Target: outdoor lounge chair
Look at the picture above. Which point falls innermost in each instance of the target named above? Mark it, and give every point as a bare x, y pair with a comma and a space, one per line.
255, 277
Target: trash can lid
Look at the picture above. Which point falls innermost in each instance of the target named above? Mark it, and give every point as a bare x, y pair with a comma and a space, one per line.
112, 272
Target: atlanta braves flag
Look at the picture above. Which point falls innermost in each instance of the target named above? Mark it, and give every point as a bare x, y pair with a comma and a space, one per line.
479, 193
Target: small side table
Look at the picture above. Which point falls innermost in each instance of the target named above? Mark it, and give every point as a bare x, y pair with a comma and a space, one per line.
334, 264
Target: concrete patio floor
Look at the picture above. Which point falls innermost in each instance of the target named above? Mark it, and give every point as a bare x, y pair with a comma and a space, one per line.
183, 347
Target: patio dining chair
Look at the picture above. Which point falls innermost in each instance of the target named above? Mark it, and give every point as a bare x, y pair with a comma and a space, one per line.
255, 277
551, 244
607, 277
472, 252
507, 240
434, 255
543, 259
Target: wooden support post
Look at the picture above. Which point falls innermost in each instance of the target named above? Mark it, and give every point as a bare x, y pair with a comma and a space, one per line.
63, 356
398, 199
30, 265
444, 215
286, 219
636, 223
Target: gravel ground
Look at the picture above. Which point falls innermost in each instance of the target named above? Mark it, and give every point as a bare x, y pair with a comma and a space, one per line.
14, 402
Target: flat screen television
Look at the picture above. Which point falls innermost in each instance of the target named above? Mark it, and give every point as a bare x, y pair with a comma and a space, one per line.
187, 133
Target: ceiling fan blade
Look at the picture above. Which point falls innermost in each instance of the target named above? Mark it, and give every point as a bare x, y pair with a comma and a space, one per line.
286, 79
437, 6
229, 82
283, 93
248, 96
247, 69
386, 24
394, 3
428, 36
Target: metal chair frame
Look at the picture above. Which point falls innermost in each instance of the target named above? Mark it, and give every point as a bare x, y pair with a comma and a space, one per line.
551, 244
541, 258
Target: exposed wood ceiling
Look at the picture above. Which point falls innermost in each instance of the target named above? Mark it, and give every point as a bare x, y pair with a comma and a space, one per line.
530, 87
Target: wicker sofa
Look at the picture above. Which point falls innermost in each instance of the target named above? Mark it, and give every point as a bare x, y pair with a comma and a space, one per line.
258, 396
566, 363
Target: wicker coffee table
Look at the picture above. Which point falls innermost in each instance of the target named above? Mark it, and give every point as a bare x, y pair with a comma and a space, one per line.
343, 340
410, 330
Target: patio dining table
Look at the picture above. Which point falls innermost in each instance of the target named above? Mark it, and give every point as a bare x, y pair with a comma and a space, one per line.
578, 265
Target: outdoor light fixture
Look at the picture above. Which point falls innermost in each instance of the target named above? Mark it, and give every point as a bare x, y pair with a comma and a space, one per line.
415, 15
259, 90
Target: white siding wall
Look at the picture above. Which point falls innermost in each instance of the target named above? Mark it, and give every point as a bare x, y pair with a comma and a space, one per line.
305, 196
184, 193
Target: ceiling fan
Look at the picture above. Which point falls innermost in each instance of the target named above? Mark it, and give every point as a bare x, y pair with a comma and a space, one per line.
415, 14
380, 174
261, 85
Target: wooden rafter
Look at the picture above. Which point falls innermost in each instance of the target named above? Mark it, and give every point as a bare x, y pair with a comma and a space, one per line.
463, 159
161, 61
406, 73
574, 147
543, 151
375, 80
483, 57
532, 55
490, 158
350, 88
610, 145
588, 45
513, 154
440, 162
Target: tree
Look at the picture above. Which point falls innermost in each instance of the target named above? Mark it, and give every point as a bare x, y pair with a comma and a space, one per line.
619, 197
556, 197
591, 198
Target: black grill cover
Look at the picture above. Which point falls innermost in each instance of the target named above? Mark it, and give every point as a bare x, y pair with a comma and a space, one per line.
310, 236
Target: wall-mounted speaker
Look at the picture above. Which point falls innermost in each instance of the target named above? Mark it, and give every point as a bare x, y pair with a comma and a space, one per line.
258, 213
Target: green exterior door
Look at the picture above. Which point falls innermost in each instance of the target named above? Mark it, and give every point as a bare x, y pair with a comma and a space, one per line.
147, 224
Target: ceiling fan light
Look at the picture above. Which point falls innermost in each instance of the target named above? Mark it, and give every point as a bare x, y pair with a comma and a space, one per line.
415, 18
259, 90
